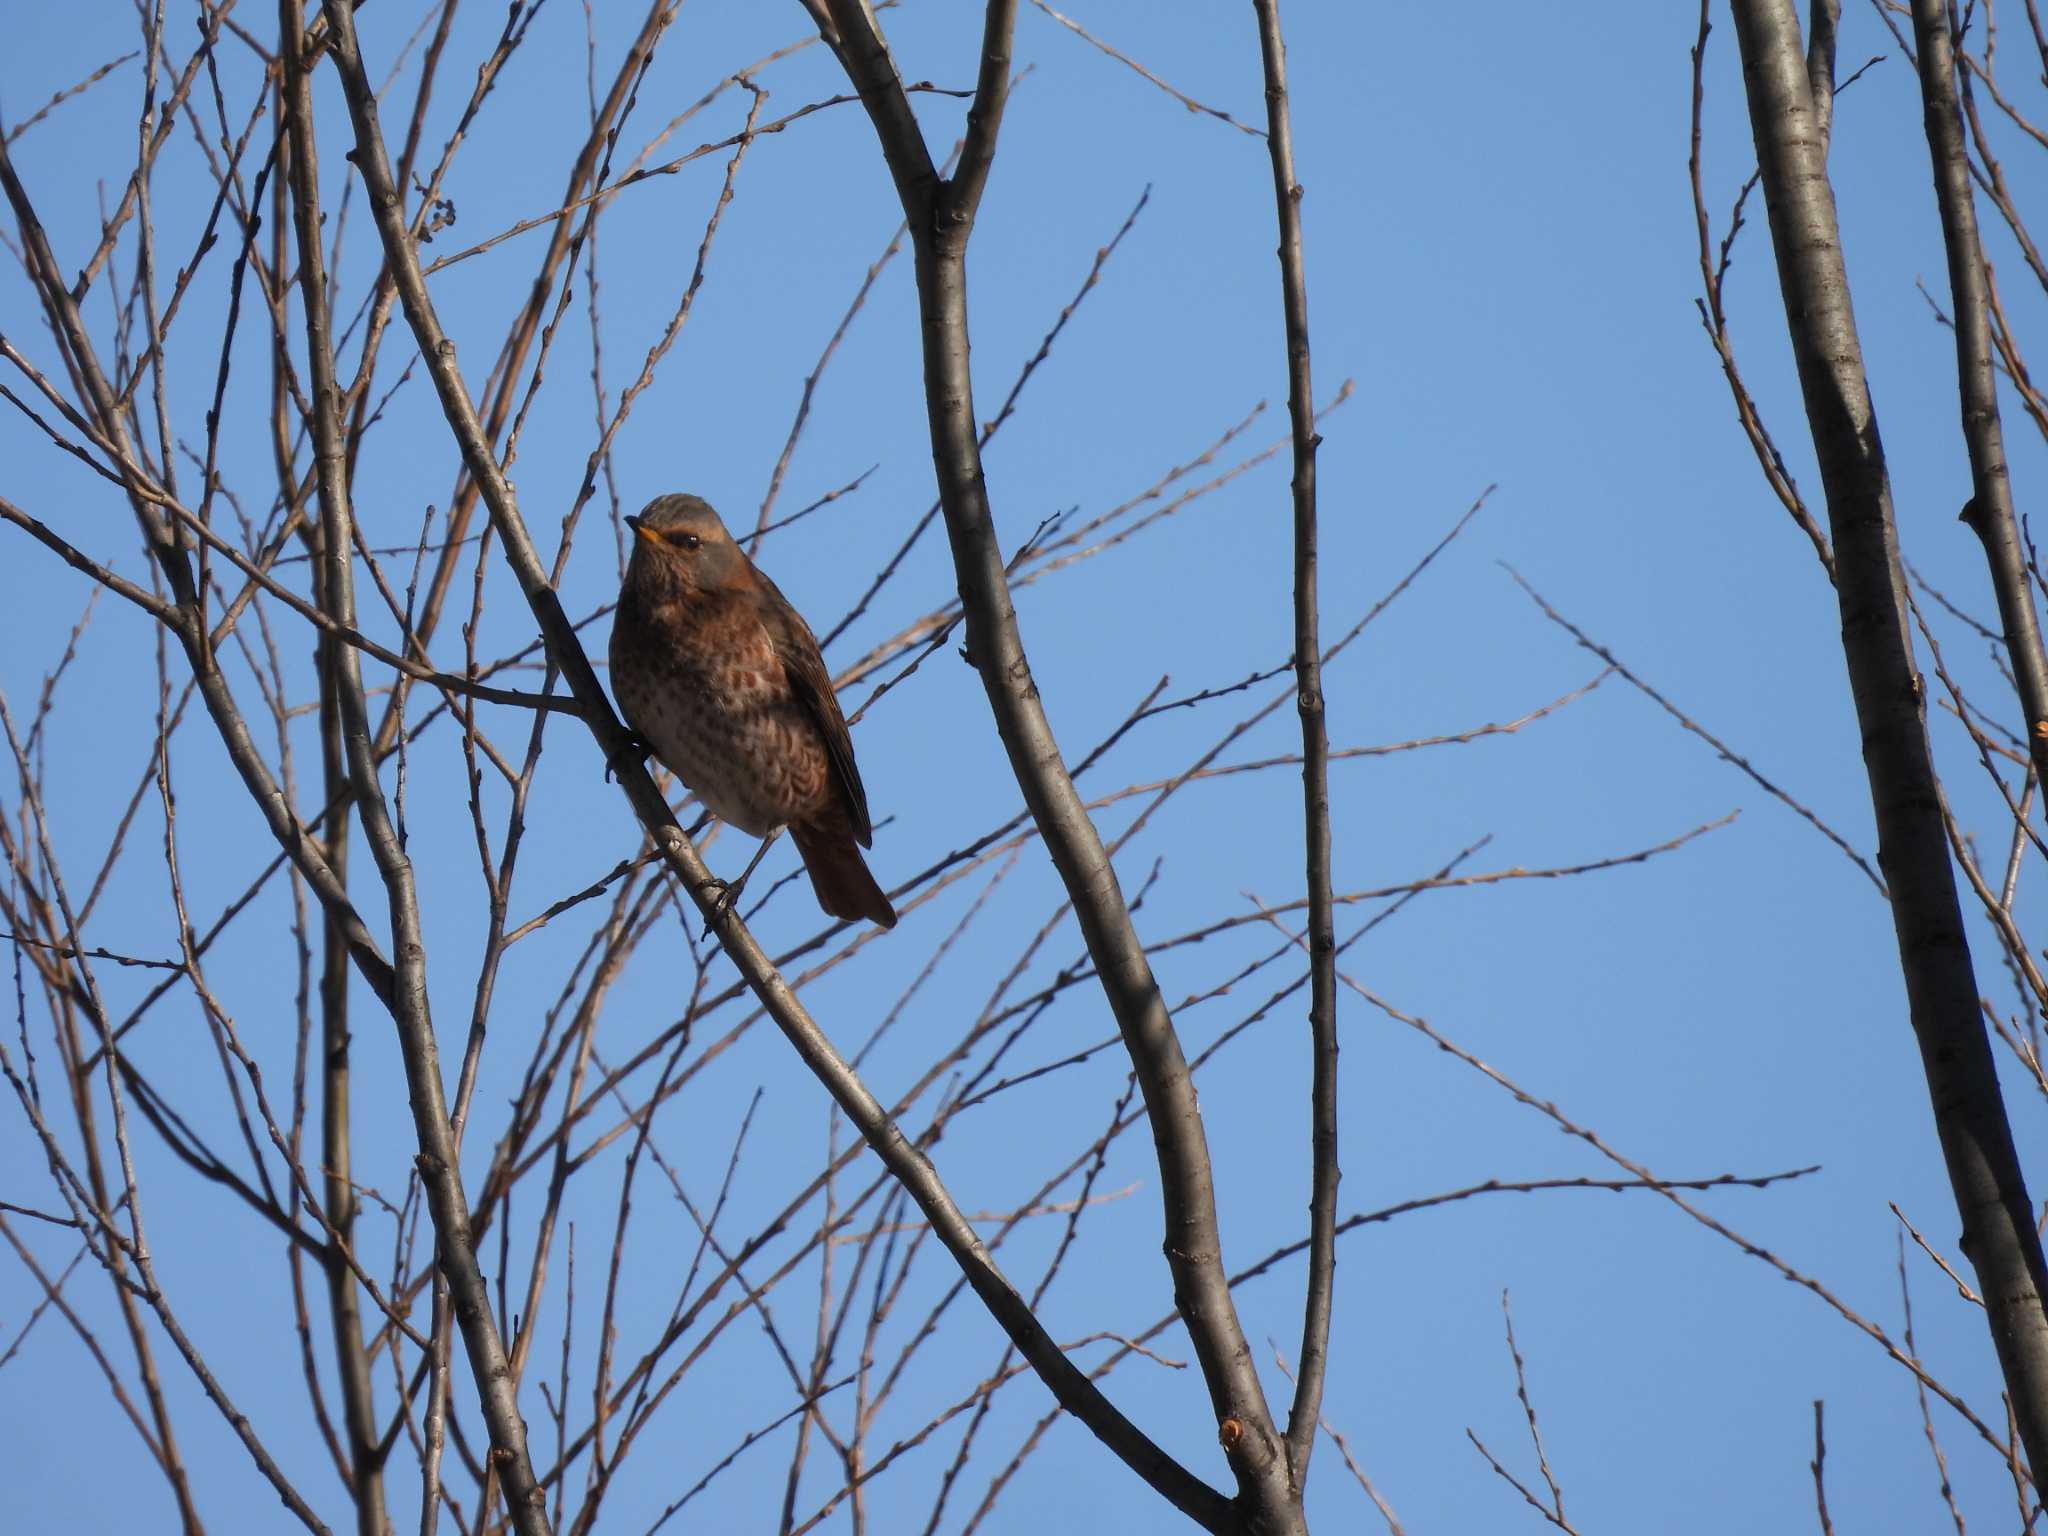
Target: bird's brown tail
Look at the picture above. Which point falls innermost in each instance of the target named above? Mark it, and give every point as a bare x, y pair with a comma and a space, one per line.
840, 876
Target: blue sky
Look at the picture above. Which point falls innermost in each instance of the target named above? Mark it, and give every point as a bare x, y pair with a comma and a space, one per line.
1501, 254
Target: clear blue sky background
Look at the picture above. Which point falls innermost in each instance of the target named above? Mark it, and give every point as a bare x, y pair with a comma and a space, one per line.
1501, 252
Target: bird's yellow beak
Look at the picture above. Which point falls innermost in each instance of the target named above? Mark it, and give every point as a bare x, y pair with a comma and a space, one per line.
641, 530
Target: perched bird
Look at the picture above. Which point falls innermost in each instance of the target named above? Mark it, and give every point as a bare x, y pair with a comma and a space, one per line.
721, 678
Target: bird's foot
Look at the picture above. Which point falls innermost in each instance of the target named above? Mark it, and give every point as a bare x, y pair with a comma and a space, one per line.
636, 750
723, 904
729, 893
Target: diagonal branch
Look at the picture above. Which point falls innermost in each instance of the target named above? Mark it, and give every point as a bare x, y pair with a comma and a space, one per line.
898, 1154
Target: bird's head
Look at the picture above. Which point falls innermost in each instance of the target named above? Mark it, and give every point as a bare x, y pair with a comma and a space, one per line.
679, 542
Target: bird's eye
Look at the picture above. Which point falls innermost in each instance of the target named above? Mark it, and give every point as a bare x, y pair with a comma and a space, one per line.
691, 541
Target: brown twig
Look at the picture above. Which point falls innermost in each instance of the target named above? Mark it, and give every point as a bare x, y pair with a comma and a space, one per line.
1132, 64
1962, 1288
1820, 1457
1713, 317
67, 93
1728, 754
1920, 1393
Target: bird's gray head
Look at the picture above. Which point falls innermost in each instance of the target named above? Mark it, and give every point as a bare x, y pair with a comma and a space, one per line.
680, 542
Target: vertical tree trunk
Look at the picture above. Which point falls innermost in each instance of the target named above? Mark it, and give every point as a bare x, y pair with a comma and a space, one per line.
1998, 1232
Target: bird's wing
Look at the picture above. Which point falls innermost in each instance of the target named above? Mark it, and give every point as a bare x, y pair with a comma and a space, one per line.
812, 685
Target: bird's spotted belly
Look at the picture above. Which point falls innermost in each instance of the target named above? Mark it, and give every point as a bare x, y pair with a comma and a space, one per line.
734, 734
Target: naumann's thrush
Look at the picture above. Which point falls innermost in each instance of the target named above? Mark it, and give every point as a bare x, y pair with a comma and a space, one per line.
722, 679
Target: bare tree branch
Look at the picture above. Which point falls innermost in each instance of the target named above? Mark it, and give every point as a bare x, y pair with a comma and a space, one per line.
1989, 512
941, 215
1306, 1411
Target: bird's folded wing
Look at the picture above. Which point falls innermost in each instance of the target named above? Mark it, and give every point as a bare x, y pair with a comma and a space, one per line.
812, 685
